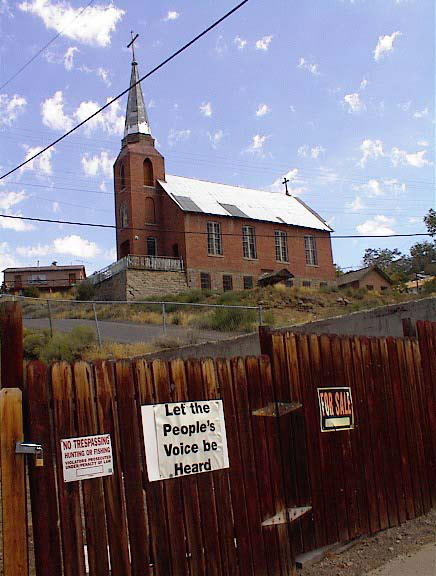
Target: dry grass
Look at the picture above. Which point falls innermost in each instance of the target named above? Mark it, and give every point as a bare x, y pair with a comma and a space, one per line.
115, 351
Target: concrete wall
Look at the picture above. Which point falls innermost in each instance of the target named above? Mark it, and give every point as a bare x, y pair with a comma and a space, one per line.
384, 321
112, 289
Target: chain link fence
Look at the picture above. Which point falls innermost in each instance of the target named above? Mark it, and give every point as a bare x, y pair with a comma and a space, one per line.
145, 321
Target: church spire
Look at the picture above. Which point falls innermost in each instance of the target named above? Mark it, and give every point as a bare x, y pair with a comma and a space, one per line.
136, 114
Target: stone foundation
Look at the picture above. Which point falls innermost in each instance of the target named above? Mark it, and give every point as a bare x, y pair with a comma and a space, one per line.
133, 284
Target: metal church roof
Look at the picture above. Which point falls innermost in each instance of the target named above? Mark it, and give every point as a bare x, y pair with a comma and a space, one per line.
224, 200
136, 114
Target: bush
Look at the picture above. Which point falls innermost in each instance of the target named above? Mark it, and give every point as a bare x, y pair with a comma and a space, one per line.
229, 320
85, 291
31, 292
62, 346
429, 287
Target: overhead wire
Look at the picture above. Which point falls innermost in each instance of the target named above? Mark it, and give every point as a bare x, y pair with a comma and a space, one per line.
204, 233
110, 102
43, 48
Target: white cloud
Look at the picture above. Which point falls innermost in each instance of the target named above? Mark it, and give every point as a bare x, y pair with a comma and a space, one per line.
69, 57
306, 152
310, 66
423, 143
215, 138
9, 199
327, 175
385, 44
220, 45
239, 42
42, 164
415, 220
98, 165
10, 108
375, 188
93, 27
292, 109
72, 245
294, 179
356, 205
263, 43
172, 15
370, 149
415, 159
421, 113
364, 83
7, 260
206, 109
355, 104
34, 251
103, 74
55, 207
262, 109
52, 112
75, 245
257, 144
378, 226
110, 120
394, 186
176, 136
405, 105
111, 254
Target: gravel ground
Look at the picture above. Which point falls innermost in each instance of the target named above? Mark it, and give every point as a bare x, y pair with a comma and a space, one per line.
377, 551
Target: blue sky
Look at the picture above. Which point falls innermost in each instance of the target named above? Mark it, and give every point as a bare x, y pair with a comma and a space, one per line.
337, 94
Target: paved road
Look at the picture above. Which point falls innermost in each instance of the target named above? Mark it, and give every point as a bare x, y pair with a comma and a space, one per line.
421, 563
125, 332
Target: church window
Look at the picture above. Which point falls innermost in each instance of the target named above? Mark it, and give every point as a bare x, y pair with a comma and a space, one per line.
150, 214
227, 282
122, 177
249, 242
281, 244
124, 215
311, 253
248, 282
214, 239
205, 281
151, 246
148, 173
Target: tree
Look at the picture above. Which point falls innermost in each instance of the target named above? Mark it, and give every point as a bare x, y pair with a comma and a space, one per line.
430, 222
381, 257
423, 257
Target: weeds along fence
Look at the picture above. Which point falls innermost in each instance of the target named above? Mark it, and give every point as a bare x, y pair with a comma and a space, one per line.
128, 322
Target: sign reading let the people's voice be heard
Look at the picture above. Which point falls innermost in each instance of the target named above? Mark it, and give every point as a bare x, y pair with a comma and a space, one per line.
184, 438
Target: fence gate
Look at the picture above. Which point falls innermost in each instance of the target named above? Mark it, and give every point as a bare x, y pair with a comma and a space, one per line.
230, 521
380, 469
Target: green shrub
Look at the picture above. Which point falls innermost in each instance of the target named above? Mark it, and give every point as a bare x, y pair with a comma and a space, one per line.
360, 293
429, 287
232, 298
328, 289
229, 320
31, 292
85, 291
62, 346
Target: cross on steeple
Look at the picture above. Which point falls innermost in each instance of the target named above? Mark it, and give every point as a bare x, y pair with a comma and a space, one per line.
285, 182
132, 44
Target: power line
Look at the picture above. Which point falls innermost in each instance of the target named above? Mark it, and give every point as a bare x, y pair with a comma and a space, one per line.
152, 226
41, 50
155, 69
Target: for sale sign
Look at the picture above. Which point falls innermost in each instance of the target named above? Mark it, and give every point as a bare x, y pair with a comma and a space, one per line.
335, 409
183, 438
86, 457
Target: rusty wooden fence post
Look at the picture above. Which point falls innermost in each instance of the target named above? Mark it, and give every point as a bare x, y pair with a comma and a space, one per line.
15, 555
11, 345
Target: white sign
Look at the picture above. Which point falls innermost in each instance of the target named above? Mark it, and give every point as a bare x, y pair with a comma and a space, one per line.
184, 438
87, 457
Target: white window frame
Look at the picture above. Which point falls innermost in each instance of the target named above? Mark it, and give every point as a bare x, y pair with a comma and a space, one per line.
214, 239
249, 248
281, 246
311, 251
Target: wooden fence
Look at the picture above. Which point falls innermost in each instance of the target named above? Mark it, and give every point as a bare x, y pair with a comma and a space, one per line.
380, 473
202, 524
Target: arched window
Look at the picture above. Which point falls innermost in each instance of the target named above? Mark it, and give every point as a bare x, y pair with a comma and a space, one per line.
124, 215
150, 214
148, 173
122, 177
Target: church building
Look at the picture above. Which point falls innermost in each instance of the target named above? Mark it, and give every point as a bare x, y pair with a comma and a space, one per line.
175, 233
